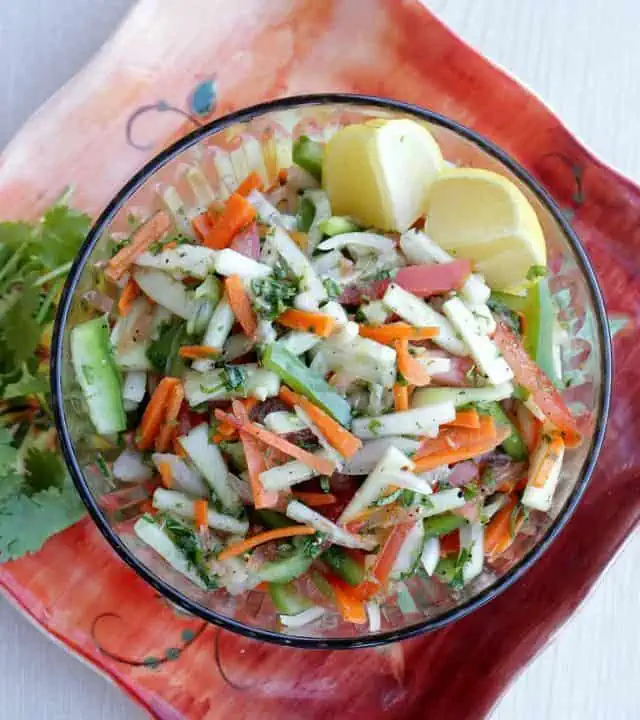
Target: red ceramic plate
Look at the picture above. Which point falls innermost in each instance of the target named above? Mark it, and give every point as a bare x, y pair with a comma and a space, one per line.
78, 591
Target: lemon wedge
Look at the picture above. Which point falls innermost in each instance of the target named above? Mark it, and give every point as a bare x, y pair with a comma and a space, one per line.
480, 215
380, 172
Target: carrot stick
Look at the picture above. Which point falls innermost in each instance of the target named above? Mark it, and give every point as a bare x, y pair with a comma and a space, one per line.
253, 181
497, 536
154, 413
166, 474
540, 473
256, 462
388, 334
196, 352
466, 419
202, 225
456, 444
322, 465
241, 305
152, 231
313, 322
168, 429
301, 239
349, 604
177, 447
400, 397
267, 536
201, 514
411, 370
315, 499
384, 561
170, 245
341, 439
237, 214
127, 297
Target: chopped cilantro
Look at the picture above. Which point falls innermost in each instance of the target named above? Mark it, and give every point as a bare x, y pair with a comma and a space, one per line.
535, 272
234, 377
274, 294
189, 543
333, 288
374, 426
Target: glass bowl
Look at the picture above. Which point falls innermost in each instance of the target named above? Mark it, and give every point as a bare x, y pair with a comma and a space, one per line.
586, 359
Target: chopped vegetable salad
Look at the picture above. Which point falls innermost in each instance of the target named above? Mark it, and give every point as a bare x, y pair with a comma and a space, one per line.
323, 409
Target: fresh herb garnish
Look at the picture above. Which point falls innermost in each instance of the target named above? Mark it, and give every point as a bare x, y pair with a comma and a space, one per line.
333, 288
188, 542
234, 377
163, 352
274, 294
506, 314
374, 426
37, 497
306, 214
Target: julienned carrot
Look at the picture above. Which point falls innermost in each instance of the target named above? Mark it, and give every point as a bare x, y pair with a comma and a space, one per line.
169, 425
202, 225
322, 465
237, 214
457, 444
410, 368
253, 181
268, 536
241, 305
201, 514
498, 533
466, 419
301, 239
312, 322
256, 463
400, 397
340, 438
197, 352
127, 296
348, 603
388, 334
315, 499
177, 447
153, 230
166, 474
155, 412
539, 474
384, 561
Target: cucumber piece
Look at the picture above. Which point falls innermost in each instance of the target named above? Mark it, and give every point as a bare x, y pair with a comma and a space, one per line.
272, 519
98, 375
338, 225
344, 565
287, 599
462, 396
539, 328
308, 154
287, 569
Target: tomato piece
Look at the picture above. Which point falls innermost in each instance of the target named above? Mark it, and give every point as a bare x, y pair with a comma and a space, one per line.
433, 279
531, 377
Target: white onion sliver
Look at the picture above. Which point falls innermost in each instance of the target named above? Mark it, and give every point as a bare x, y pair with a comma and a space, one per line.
376, 242
129, 467
301, 513
430, 555
374, 615
303, 618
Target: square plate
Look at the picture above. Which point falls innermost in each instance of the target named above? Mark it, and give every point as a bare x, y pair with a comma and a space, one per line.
76, 589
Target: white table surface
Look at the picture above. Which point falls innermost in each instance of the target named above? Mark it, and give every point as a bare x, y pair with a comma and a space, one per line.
582, 57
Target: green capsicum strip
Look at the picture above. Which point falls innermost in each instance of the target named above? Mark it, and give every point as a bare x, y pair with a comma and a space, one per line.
308, 154
439, 525
287, 599
294, 373
344, 565
305, 215
513, 445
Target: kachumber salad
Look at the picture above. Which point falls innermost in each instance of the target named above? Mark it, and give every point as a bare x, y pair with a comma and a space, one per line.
335, 376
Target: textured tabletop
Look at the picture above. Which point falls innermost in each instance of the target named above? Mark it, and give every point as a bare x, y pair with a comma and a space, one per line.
581, 57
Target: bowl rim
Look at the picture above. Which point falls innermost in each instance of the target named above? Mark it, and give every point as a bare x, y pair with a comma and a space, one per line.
173, 151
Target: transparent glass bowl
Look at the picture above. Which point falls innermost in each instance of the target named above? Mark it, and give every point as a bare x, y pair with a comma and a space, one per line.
586, 359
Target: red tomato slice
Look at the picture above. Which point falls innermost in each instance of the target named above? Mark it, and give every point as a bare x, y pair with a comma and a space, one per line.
533, 379
427, 280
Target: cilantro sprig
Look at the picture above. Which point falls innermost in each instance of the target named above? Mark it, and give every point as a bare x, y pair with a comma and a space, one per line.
37, 497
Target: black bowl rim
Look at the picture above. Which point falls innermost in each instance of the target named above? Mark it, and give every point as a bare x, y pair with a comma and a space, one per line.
165, 588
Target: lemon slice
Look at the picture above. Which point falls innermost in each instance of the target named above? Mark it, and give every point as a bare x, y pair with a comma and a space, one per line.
379, 172
480, 215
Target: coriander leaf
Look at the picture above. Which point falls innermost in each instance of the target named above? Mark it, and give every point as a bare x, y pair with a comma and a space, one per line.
274, 294
163, 351
62, 231
43, 469
20, 329
233, 377
333, 288
28, 384
26, 522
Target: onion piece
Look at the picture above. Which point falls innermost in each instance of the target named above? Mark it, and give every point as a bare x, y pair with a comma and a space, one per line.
301, 513
98, 301
129, 467
372, 241
374, 615
303, 618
